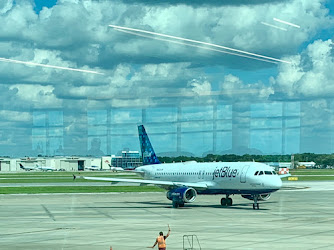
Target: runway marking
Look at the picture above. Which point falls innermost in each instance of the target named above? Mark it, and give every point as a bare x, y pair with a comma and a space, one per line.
48, 212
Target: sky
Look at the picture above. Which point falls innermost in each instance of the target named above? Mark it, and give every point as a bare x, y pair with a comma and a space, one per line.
193, 98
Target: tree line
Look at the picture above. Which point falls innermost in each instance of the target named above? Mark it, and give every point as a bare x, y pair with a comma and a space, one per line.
319, 159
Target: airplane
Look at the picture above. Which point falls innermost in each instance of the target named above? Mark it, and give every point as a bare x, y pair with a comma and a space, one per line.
45, 168
117, 169
93, 168
185, 180
28, 168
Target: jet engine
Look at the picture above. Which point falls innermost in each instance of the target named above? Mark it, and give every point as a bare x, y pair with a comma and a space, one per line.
261, 197
182, 195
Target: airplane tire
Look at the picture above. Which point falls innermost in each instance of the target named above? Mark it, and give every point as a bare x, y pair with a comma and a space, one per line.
181, 204
223, 202
253, 206
229, 202
257, 206
175, 204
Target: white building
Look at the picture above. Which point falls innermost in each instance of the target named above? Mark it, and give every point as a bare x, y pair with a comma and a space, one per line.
309, 164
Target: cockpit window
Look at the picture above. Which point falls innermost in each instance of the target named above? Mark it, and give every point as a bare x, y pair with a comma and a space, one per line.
261, 173
274, 173
268, 172
256, 172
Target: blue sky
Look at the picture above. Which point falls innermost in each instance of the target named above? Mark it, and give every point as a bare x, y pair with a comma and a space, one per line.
39, 4
192, 100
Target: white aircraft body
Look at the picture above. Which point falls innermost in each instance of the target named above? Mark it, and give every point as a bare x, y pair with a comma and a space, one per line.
36, 168
183, 181
28, 168
118, 169
93, 168
45, 168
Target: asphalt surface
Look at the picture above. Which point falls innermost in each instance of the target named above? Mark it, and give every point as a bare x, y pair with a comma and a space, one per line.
300, 216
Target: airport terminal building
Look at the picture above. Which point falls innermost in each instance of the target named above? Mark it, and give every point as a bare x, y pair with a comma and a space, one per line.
127, 160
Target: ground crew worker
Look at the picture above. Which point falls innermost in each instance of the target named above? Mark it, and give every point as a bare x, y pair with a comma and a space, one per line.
161, 240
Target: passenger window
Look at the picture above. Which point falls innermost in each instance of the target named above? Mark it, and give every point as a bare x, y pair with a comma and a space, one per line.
256, 172
261, 173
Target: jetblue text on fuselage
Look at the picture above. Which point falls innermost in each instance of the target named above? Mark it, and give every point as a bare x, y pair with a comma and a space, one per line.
224, 172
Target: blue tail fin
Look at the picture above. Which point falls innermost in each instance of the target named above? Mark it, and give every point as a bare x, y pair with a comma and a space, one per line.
147, 151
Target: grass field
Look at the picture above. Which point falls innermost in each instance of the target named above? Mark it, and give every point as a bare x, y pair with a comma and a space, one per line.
313, 174
49, 177
67, 177
77, 189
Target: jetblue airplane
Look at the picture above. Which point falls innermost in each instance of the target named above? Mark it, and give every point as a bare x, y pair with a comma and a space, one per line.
185, 180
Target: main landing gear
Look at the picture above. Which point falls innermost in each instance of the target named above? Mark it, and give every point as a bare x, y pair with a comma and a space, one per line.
177, 204
226, 202
256, 204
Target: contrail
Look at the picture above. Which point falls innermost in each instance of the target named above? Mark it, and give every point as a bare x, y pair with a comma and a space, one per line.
197, 46
199, 42
287, 23
48, 66
274, 26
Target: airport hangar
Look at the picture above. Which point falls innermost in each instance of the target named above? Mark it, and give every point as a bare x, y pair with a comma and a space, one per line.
72, 163
126, 160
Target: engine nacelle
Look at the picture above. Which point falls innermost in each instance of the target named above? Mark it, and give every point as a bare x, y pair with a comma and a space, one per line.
182, 194
262, 197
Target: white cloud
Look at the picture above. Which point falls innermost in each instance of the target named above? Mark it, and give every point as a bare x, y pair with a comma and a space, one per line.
16, 116
235, 88
310, 74
200, 87
35, 96
5, 6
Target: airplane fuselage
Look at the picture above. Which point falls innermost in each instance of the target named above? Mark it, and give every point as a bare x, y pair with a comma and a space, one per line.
220, 177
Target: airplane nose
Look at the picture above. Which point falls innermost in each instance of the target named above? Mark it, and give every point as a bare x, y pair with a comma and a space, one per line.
274, 183
277, 184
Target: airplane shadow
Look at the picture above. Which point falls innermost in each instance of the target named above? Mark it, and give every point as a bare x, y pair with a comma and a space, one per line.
159, 205
190, 205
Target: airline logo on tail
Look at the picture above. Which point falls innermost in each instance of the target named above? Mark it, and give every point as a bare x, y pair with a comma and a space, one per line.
148, 154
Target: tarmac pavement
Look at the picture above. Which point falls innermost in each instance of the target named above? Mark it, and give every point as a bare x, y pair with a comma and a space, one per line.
300, 216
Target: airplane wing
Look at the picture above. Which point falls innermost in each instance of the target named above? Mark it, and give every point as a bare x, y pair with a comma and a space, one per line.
140, 181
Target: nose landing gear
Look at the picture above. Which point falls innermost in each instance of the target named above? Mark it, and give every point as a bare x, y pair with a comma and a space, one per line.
256, 204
